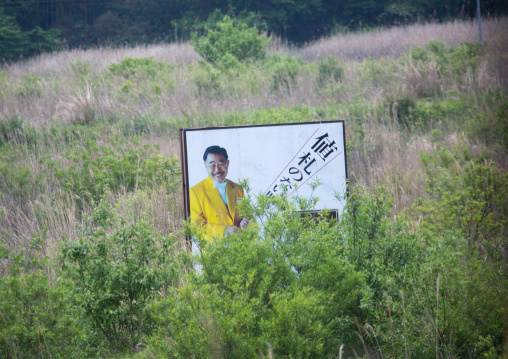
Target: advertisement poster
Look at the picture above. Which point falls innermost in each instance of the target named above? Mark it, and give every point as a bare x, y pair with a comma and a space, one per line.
275, 159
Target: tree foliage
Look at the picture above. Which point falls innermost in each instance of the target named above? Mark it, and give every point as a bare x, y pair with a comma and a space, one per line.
16, 43
230, 42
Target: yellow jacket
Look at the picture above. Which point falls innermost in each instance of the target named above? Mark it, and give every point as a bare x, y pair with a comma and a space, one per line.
208, 209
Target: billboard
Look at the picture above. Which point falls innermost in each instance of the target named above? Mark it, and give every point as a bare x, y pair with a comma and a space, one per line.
275, 159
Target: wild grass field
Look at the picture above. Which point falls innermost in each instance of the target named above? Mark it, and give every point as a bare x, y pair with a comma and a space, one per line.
91, 215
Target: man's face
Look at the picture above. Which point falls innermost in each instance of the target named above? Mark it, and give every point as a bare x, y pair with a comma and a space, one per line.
217, 167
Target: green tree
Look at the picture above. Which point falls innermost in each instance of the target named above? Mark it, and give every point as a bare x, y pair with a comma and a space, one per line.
14, 42
230, 42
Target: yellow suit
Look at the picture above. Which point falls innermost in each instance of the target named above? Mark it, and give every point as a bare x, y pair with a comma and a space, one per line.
208, 209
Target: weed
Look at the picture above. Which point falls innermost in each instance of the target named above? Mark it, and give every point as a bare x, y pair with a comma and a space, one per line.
32, 86
329, 71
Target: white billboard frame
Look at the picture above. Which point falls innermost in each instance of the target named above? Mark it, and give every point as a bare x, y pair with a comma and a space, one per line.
275, 159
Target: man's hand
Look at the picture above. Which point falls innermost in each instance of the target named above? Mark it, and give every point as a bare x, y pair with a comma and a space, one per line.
231, 229
234, 229
244, 222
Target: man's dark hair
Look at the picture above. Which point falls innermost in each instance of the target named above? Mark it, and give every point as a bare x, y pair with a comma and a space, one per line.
216, 150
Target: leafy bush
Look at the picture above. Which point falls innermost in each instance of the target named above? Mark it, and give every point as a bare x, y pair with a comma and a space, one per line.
209, 81
414, 114
329, 70
451, 63
147, 67
472, 202
376, 72
141, 77
491, 128
418, 54
18, 182
283, 70
117, 269
32, 86
422, 273
231, 41
38, 318
287, 285
401, 108
14, 130
118, 164
465, 55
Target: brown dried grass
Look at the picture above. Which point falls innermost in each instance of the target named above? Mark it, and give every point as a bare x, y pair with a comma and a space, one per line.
394, 42
63, 98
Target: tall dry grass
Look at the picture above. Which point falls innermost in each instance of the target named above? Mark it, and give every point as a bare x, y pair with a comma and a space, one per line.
63, 97
394, 42
58, 64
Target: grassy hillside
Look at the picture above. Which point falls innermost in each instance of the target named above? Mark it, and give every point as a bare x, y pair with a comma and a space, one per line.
91, 222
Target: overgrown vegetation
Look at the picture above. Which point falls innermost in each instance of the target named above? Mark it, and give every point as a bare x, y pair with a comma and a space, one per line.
92, 242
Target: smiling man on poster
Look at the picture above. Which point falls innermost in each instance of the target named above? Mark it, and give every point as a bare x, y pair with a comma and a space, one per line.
213, 201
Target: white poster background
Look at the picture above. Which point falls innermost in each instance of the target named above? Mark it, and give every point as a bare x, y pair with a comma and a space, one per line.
264, 155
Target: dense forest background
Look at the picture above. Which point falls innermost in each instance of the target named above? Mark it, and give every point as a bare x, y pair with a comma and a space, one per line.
28, 27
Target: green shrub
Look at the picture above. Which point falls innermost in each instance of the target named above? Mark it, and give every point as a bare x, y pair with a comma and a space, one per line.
453, 62
80, 69
146, 67
286, 285
38, 317
401, 109
117, 269
230, 42
31, 87
490, 128
329, 70
419, 54
427, 255
142, 77
126, 87
96, 168
413, 114
466, 55
425, 113
373, 71
16, 131
18, 182
468, 194
283, 70
209, 81
456, 60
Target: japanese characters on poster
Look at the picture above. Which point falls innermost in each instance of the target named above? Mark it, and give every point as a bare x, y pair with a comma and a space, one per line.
318, 152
